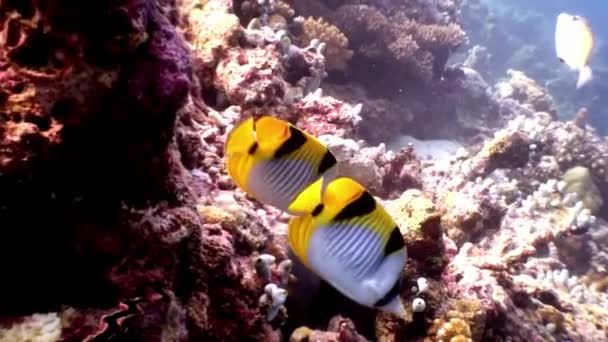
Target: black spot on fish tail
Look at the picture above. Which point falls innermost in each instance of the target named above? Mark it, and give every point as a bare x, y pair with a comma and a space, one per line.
392, 293
318, 209
395, 242
561, 60
253, 148
295, 141
362, 206
327, 162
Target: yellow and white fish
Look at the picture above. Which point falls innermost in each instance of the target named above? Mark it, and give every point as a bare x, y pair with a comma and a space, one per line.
274, 161
573, 44
349, 240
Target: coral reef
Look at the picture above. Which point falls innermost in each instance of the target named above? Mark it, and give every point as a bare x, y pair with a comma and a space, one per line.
525, 90
114, 186
418, 49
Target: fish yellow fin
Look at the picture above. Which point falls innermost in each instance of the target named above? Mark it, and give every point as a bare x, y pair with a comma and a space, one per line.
271, 132
237, 169
341, 192
300, 229
307, 200
241, 138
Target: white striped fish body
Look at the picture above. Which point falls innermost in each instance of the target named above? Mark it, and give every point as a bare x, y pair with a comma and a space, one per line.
273, 161
278, 182
348, 239
350, 257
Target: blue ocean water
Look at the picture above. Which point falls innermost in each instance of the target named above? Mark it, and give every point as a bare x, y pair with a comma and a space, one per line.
541, 15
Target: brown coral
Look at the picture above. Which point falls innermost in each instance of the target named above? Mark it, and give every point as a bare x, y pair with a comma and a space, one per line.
208, 27
422, 49
506, 150
339, 329
420, 224
526, 90
337, 54
459, 320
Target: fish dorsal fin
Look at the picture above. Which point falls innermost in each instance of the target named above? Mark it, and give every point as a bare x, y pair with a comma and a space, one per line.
271, 133
241, 139
309, 199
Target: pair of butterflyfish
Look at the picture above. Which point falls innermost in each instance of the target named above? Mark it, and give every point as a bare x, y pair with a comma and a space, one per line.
574, 45
338, 230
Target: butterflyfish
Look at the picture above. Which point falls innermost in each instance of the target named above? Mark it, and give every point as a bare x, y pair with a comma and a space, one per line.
349, 240
573, 44
274, 161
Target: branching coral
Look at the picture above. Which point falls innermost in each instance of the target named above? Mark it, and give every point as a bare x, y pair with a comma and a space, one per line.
421, 49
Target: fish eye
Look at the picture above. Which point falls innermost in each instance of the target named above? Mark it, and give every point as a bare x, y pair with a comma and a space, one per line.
318, 209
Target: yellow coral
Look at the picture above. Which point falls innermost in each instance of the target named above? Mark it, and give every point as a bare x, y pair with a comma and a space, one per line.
420, 224
459, 320
462, 216
337, 54
209, 27
456, 329
412, 211
579, 181
301, 334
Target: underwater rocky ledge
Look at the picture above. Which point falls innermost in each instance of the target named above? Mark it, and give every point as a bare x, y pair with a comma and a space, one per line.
120, 223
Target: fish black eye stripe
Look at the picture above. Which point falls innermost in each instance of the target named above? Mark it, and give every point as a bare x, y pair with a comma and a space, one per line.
318, 209
253, 148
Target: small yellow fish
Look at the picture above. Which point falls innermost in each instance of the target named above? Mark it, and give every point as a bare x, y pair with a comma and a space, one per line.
574, 44
273, 161
349, 240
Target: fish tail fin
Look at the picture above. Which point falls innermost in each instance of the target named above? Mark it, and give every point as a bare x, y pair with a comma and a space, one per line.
585, 75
